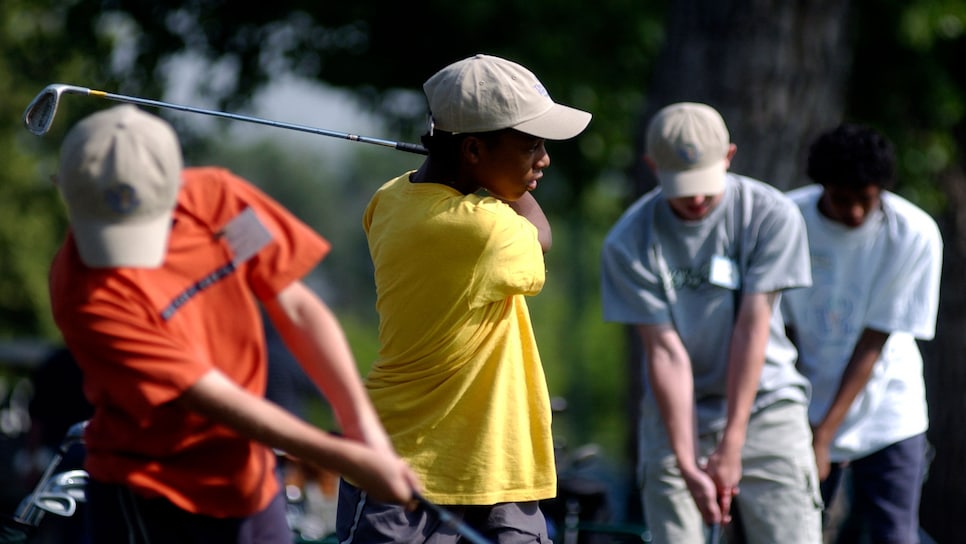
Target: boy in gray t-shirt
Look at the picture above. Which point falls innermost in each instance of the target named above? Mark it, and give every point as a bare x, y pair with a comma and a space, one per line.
698, 266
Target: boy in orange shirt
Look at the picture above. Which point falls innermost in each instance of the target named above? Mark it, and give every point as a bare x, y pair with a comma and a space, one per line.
157, 291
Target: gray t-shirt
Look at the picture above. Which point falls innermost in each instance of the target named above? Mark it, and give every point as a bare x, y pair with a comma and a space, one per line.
657, 268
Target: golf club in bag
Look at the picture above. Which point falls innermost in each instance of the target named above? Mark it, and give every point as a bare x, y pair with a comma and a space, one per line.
41, 111
55, 493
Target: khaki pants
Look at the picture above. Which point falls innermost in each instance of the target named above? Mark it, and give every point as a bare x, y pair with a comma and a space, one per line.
779, 496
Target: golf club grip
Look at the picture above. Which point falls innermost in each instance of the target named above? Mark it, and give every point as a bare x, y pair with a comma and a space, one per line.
412, 148
451, 521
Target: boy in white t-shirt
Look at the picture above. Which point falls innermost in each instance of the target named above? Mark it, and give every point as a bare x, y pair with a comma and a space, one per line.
876, 261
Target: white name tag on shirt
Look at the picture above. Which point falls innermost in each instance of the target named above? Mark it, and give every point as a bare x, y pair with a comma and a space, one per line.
246, 235
724, 272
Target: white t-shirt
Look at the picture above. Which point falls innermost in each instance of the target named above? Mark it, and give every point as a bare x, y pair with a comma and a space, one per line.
882, 275
657, 268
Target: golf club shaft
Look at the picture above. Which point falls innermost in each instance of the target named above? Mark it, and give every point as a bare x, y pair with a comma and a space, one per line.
451, 521
59, 89
714, 533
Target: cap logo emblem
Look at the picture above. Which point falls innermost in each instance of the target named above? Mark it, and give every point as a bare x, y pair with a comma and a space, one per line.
122, 199
688, 153
541, 90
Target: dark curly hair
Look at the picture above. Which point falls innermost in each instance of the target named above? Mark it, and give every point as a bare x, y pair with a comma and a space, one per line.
852, 156
445, 146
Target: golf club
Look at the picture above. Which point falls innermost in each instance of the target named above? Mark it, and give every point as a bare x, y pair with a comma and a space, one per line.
61, 504
30, 512
72, 483
714, 533
451, 521
40, 113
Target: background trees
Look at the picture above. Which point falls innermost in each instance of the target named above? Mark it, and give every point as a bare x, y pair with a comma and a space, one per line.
779, 72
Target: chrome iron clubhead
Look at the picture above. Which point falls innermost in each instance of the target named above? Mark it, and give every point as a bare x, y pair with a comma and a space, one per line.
41, 111
72, 483
60, 504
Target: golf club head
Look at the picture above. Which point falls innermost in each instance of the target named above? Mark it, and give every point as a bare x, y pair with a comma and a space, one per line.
60, 504
71, 482
41, 111
75, 433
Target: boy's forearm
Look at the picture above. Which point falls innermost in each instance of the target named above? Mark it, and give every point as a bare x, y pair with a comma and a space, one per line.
317, 341
745, 363
671, 379
867, 351
528, 207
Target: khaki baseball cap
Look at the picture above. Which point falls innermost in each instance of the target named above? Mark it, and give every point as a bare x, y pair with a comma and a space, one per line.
485, 93
688, 143
120, 173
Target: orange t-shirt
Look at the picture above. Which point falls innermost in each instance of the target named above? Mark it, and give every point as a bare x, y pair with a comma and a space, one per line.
143, 336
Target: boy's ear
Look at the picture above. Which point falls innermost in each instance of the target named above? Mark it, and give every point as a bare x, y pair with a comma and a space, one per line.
470, 149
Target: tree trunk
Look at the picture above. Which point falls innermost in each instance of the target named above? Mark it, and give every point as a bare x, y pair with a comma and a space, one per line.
775, 70
944, 492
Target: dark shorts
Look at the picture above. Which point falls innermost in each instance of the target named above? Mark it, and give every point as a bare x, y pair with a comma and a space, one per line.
118, 515
362, 520
885, 489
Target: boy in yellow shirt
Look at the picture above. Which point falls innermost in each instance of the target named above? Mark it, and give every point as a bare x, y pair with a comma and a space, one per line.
459, 384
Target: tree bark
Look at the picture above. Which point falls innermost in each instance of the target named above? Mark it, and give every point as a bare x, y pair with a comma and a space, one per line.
944, 491
776, 72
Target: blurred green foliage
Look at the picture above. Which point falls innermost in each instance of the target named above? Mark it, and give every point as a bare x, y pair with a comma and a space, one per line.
907, 78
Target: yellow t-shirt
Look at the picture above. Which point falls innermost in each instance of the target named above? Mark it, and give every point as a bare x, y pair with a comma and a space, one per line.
459, 384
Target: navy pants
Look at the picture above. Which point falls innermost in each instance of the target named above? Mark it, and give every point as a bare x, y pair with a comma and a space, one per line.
885, 488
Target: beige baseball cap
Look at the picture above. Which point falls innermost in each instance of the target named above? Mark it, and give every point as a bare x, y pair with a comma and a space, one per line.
485, 93
688, 143
120, 173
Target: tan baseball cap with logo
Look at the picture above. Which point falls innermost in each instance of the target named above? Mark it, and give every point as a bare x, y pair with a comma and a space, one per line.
688, 143
120, 173
484, 93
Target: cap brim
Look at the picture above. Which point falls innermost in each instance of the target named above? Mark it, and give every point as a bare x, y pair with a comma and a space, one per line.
557, 123
137, 245
709, 180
